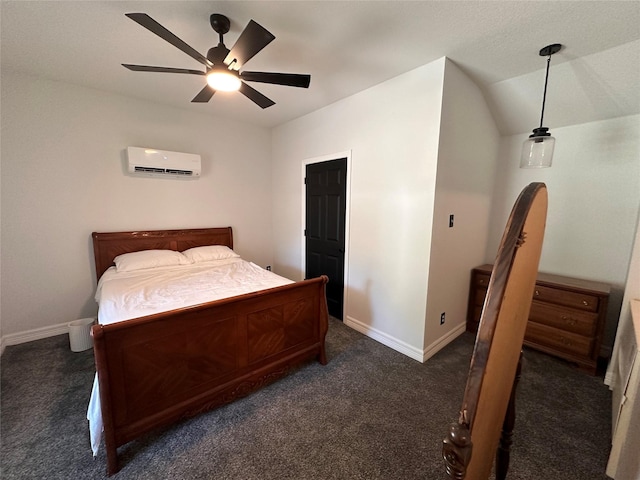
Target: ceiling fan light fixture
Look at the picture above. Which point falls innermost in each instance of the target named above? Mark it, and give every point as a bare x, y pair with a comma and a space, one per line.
223, 80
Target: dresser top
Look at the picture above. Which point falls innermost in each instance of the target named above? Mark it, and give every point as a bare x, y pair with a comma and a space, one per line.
599, 288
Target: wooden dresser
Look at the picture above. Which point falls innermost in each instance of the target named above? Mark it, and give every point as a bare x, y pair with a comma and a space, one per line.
567, 315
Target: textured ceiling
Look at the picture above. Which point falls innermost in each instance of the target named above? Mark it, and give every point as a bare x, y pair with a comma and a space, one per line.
346, 46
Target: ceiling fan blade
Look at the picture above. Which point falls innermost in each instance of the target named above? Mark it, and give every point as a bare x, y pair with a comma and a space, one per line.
204, 95
255, 96
252, 39
148, 68
288, 79
150, 24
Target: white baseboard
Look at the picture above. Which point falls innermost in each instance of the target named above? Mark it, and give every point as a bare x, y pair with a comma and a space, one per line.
403, 347
35, 334
384, 338
443, 341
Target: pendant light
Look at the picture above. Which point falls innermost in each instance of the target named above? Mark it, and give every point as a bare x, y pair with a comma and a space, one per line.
537, 150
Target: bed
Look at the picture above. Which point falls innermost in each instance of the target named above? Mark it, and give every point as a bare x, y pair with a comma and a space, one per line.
157, 369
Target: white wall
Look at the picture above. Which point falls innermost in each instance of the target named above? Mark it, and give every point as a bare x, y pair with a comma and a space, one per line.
594, 198
62, 178
467, 161
392, 131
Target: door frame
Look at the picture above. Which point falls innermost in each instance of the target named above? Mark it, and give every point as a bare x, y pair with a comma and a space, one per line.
347, 214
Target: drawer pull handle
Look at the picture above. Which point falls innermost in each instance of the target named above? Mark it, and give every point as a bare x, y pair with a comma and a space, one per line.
569, 320
565, 341
537, 293
585, 303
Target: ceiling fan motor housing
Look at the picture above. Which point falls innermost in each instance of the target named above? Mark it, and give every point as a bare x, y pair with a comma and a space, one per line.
216, 55
220, 25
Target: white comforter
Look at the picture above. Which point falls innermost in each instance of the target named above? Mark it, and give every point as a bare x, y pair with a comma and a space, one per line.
123, 296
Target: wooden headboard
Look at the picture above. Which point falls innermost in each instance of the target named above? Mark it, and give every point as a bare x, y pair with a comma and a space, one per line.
108, 245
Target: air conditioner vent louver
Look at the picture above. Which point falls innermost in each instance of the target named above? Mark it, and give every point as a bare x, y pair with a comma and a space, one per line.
160, 163
149, 169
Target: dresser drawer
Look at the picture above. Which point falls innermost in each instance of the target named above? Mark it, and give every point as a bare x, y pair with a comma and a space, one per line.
482, 280
567, 298
481, 293
558, 339
566, 319
570, 320
477, 312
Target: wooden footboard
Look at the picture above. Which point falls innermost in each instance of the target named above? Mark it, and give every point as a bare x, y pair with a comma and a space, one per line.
158, 369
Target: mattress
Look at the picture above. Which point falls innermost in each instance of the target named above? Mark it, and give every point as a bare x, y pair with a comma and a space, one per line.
125, 295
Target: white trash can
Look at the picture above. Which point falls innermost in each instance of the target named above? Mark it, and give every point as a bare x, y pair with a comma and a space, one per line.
80, 334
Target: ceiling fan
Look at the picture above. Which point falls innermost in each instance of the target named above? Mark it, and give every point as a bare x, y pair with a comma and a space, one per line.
223, 65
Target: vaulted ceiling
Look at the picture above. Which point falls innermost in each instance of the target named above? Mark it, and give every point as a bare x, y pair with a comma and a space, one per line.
346, 46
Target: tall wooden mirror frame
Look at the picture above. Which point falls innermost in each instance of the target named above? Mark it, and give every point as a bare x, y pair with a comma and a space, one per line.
472, 442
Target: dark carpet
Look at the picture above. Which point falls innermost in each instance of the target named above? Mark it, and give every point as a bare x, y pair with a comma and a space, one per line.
370, 413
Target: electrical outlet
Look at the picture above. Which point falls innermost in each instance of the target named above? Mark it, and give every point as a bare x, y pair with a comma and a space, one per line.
268, 267
451, 220
442, 318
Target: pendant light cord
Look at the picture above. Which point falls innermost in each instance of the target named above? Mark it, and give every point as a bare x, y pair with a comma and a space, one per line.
544, 95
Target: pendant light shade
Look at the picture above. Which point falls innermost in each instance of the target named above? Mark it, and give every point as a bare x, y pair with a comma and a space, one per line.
537, 150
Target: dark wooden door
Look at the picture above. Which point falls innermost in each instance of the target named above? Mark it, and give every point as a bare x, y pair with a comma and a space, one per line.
326, 190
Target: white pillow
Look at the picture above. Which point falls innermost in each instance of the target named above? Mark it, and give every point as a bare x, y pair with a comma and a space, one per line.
128, 262
208, 253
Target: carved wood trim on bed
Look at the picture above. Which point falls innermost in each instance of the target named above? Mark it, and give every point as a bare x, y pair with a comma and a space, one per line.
158, 369
107, 246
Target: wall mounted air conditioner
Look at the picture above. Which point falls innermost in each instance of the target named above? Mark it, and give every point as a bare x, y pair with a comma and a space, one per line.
161, 163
